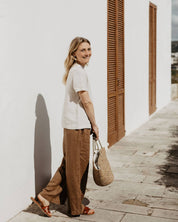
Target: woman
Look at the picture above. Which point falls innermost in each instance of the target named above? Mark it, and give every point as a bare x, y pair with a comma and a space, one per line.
78, 120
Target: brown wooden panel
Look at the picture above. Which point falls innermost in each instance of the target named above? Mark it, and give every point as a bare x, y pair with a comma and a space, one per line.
121, 116
112, 114
152, 58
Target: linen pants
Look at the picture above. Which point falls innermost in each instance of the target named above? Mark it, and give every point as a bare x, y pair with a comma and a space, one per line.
70, 179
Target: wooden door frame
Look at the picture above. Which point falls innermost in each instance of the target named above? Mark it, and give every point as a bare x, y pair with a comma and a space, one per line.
152, 57
116, 72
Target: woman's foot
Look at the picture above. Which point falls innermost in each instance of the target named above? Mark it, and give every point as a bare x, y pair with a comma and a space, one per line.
87, 211
43, 201
43, 205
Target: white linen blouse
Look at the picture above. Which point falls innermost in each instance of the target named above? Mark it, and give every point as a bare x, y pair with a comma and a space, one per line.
74, 115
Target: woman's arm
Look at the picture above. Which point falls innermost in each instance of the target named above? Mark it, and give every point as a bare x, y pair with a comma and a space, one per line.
89, 109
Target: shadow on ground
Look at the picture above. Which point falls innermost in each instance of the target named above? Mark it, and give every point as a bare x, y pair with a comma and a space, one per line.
33, 208
62, 209
169, 171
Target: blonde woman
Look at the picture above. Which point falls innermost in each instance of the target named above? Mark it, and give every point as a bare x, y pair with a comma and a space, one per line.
78, 119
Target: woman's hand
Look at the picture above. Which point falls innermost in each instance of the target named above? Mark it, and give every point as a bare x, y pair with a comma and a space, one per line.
95, 130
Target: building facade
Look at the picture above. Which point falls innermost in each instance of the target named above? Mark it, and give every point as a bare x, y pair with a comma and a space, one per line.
129, 72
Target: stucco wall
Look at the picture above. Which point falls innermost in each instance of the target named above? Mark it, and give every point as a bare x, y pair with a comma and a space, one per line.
35, 36
137, 60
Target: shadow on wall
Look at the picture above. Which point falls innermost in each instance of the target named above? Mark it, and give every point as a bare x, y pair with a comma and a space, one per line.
42, 146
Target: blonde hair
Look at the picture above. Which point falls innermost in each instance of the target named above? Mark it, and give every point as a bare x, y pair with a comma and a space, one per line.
70, 60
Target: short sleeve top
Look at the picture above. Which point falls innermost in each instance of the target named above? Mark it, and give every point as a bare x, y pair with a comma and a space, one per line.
74, 115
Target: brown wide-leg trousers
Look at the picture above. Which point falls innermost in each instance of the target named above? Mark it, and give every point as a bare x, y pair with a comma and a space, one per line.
70, 179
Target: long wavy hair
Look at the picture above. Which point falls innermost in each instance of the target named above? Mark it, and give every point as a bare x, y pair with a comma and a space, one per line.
71, 59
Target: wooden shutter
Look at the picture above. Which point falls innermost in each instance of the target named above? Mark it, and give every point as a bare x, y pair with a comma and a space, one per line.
115, 64
152, 58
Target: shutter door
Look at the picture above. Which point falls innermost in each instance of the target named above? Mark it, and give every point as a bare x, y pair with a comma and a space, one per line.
152, 58
116, 125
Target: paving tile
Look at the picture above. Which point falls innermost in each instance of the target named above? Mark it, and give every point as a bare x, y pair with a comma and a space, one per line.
29, 217
153, 190
140, 170
129, 177
170, 214
103, 216
149, 170
140, 218
124, 208
159, 202
118, 188
100, 197
121, 151
110, 194
152, 179
145, 153
171, 192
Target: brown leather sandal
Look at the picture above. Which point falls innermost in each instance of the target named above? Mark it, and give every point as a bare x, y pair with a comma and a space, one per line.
44, 209
86, 211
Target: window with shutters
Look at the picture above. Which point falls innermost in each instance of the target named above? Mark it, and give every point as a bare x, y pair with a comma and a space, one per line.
152, 57
116, 86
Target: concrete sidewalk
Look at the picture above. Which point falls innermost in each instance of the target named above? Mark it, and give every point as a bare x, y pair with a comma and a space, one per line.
145, 165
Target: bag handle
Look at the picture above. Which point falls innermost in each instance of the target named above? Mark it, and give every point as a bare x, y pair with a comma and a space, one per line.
96, 143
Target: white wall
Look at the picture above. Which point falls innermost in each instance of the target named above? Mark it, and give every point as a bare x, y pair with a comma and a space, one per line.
137, 60
34, 40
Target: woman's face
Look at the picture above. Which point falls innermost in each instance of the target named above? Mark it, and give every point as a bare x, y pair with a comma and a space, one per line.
83, 53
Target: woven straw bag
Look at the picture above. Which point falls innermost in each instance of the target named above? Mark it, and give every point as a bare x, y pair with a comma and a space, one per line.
102, 173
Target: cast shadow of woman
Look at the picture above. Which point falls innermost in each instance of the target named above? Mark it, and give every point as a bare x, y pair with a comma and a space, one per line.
42, 146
